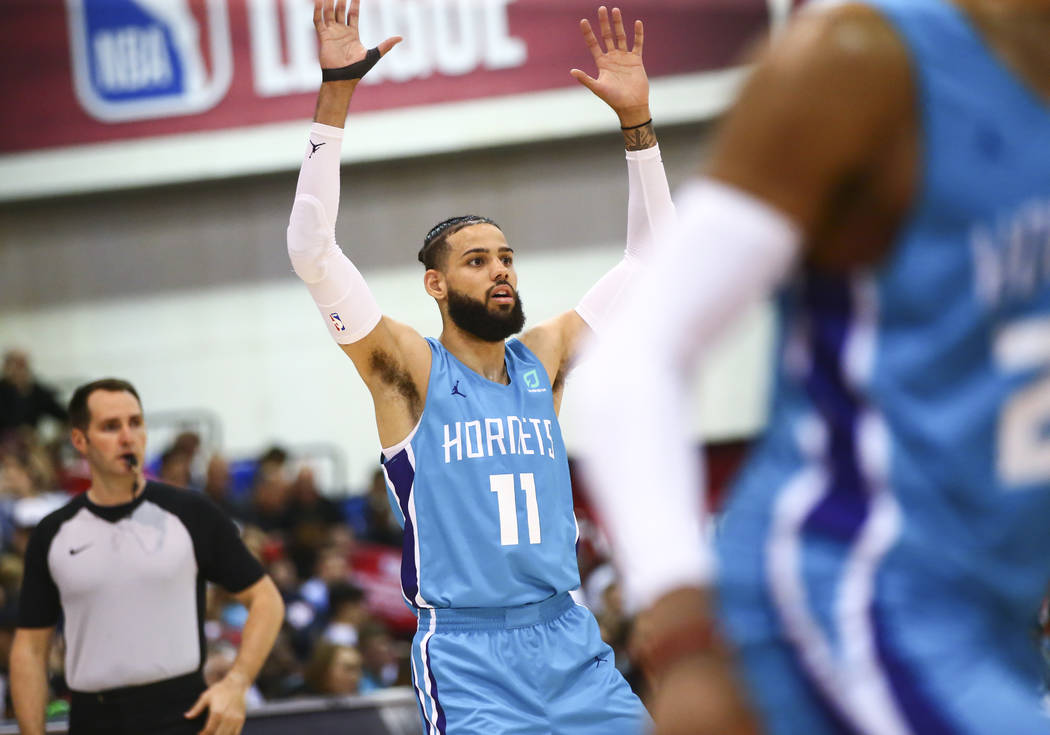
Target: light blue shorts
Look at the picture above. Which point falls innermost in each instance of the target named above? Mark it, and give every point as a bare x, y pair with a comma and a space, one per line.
530, 670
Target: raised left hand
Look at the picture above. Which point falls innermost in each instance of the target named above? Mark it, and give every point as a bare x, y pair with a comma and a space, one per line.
621, 82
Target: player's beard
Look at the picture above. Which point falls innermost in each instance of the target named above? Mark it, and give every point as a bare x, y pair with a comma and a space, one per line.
474, 317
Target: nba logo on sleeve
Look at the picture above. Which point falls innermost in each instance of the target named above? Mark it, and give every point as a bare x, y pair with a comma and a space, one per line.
337, 322
141, 59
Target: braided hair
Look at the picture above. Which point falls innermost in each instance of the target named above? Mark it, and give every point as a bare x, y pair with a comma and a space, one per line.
435, 244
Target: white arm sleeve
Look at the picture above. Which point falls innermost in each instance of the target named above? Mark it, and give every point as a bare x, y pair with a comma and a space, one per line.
341, 294
726, 252
649, 203
649, 209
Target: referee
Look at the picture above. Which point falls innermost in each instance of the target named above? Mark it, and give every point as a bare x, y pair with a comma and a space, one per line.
123, 566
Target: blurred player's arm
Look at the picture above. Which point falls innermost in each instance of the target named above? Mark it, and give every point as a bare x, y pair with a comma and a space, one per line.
29, 677
824, 105
623, 85
384, 351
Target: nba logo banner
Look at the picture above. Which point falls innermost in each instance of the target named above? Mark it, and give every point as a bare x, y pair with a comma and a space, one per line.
141, 59
337, 321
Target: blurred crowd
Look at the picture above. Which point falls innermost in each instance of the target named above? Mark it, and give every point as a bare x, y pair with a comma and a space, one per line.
334, 555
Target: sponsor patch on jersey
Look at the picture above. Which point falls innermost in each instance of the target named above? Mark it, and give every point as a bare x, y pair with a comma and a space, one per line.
532, 381
142, 59
337, 322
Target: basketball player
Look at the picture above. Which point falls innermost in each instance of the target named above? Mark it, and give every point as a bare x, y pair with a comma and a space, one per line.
473, 454
886, 170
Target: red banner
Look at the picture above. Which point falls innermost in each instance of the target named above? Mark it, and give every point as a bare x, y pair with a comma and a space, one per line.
86, 71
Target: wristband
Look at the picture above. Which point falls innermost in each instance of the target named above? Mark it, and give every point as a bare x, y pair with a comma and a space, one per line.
352, 71
639, 125
688, 639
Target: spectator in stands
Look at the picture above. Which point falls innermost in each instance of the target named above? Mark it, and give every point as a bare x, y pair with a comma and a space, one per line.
308, 507
331, 566
16, 482
341, 539
26, 474
282, 674
382, 666
347, 613
8, 619
26, 513
23, 399
217, 487
383, 527
175, 467
282, 571
308, 518
334, 669
301, 620
187, 442
33, 460
273, 458
270, 492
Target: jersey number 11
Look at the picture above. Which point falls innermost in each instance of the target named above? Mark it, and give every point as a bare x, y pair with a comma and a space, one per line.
503, 486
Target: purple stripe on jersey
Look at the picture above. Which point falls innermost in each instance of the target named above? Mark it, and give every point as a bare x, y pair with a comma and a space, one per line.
402, 475
916, 704
434, 692
845, 507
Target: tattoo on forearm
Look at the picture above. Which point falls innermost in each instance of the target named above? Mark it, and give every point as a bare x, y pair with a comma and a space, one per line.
638, 139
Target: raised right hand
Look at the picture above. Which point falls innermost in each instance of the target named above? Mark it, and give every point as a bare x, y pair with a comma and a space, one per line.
621, 83
338, 41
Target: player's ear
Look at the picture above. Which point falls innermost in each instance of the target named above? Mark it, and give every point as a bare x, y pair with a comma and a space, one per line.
435, 284
79, 439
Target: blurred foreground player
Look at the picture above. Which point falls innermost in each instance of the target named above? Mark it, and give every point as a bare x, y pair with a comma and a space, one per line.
472, 449
883, 555
123, 566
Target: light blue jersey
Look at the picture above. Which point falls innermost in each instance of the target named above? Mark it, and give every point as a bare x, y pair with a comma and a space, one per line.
892, 524
483, 494
482, 489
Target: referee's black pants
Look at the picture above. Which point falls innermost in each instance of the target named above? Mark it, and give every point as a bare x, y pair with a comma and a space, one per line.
155, 708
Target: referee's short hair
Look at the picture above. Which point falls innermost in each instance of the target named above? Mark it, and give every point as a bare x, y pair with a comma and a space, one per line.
79, 415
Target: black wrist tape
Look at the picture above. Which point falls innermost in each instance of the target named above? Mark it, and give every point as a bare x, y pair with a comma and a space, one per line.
639, 125
352, 71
